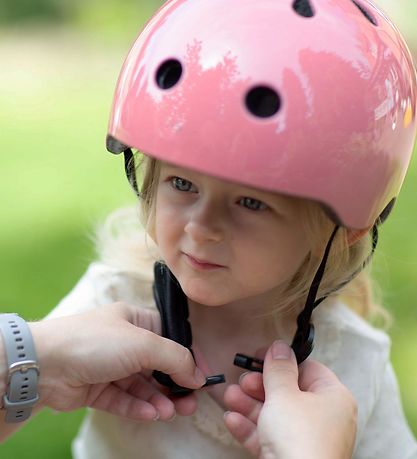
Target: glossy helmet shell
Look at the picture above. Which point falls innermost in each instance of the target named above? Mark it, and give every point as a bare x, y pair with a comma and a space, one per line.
310, 98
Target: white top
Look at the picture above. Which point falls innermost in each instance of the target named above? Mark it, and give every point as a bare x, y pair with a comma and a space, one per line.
355, 351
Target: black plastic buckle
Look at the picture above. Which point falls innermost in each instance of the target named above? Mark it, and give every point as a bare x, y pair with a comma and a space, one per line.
302, 349
248, 363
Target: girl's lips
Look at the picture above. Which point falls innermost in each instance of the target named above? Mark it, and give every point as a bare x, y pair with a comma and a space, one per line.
201, 264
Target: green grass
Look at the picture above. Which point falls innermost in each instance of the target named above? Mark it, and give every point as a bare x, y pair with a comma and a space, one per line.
57, 181
395, 268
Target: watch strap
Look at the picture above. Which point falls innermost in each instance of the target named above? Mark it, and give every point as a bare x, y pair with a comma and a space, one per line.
23, 370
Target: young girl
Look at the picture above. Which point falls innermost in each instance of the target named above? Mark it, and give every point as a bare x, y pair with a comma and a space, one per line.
275, 138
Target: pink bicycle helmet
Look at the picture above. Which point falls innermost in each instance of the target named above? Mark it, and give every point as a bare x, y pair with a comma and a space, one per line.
311, 98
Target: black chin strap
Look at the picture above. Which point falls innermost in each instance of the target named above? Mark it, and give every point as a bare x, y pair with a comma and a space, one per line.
302, 343
130, 170
304, 336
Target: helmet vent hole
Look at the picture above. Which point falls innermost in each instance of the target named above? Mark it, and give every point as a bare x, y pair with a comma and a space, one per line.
263, 102
365, 12
303, 8
168, 74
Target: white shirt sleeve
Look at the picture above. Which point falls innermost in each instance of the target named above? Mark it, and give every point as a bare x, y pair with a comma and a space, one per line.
386, 434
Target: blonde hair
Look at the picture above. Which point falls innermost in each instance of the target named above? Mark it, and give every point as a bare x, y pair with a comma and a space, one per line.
344, 258
361, 293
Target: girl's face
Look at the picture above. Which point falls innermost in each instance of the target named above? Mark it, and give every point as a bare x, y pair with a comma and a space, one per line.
226, 242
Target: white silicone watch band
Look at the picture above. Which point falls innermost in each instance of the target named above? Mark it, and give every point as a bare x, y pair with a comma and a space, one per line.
23, 371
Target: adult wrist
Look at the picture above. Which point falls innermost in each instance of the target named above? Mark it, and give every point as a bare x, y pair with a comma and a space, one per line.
19, 381
49, 351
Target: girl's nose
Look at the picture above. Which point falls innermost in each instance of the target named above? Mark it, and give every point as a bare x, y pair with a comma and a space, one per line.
206, 222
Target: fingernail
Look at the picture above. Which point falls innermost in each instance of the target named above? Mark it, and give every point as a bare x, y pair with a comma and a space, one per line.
172, 417
242, 376
156, 417
281, 350
225, 414
199, 376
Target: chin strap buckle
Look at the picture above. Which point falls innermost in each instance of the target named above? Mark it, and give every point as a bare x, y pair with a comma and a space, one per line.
248, 363
302, 346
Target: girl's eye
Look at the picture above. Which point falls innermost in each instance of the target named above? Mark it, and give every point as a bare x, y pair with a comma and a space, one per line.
252, 204
181, 184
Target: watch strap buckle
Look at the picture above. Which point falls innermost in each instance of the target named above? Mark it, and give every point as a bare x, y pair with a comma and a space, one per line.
23, 367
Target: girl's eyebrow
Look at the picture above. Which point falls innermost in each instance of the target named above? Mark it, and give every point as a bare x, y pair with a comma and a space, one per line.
172, 167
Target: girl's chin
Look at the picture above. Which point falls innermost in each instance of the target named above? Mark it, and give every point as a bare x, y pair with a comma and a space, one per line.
206, 290
205, 300
204, 297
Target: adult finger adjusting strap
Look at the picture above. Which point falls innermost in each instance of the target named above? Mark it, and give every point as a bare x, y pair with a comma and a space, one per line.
23, 371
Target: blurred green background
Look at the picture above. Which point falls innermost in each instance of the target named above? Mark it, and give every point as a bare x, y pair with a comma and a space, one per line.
59, 64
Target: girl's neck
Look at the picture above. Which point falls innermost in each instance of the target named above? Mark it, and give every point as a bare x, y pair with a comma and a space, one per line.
244, 317
219, 332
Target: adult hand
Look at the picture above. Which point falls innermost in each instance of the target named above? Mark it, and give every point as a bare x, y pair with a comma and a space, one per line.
103, 359
292, 412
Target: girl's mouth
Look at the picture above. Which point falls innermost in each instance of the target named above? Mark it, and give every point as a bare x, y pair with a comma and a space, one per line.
201, 264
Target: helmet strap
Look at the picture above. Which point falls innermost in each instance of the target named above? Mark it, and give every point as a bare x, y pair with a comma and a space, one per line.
304, 336
130, 170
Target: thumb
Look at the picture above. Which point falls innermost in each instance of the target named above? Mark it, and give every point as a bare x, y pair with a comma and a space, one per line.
280, 369
154, 352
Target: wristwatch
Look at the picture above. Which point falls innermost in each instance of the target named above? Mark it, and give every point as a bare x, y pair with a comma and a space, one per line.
23, 370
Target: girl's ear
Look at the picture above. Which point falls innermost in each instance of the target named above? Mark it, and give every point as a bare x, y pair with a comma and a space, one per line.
353, 236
